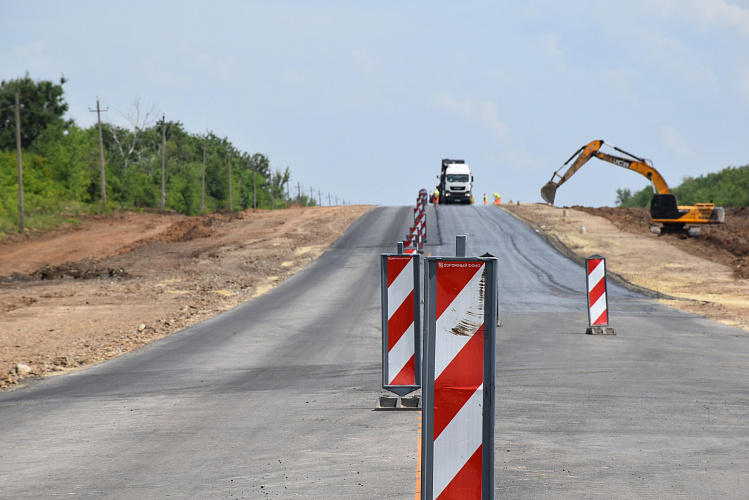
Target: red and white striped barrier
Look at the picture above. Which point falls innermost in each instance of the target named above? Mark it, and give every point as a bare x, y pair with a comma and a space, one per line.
598, 305
414, 238
413, 241
401, 326
421, 223
458, 436
417, 235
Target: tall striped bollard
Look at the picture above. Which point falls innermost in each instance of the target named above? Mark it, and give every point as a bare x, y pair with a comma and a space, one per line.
423, 224
401, 328
598, 301
458, 432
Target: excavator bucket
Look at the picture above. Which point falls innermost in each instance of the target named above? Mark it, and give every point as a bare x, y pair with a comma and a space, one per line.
548, 192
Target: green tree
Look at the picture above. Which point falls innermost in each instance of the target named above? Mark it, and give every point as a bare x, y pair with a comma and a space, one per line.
640, 199
72, 156
622, 196
42, 105
61, 163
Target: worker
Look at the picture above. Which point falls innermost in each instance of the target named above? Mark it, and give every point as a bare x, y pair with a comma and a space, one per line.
497, 199
485, 200
436, 195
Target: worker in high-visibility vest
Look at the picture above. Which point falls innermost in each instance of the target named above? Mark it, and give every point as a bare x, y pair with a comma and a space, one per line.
497, 199
436, 196
486, 202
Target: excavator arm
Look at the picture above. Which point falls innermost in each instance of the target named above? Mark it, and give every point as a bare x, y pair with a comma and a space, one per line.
585, 153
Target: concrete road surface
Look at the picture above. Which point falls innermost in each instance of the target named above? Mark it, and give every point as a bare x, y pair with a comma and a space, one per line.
275, 398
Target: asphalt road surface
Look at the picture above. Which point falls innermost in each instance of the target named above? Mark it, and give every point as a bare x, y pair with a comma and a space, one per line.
275, 398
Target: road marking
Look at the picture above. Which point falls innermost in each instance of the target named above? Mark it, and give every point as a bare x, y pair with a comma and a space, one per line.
418, 462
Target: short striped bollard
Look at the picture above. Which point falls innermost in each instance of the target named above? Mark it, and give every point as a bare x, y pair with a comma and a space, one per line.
598, 302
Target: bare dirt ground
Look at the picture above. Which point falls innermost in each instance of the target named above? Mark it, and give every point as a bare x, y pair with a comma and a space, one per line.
85, 293
706, 275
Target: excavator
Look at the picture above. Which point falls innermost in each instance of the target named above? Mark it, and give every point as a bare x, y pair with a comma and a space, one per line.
664, 209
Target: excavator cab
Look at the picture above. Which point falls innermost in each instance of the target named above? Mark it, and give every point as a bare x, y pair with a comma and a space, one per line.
665, 206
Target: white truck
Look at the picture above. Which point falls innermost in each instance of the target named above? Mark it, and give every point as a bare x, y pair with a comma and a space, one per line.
456, 182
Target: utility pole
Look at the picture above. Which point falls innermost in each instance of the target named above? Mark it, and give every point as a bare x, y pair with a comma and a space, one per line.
163, 162
319, 197
311, 195
231, 198
336, 201
202, 183
271, 189
299, 192
101, 151
328, 199
20, 166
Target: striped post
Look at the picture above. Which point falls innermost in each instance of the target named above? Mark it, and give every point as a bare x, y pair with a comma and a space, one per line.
401, 324
422, 223
422, 202
458, 432
598, 302
413, 238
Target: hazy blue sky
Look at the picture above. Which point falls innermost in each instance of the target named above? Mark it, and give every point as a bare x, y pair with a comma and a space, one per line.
362, 99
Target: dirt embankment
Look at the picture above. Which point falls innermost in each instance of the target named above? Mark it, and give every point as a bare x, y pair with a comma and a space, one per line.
88, 292
706, 275
725, 243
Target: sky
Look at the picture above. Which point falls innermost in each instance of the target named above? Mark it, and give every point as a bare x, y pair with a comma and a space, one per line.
362, 99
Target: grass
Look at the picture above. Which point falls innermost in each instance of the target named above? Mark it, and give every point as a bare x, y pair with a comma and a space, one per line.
37, 221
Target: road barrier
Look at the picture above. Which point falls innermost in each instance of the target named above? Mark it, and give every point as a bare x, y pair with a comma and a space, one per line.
417, 234
421, 223
422, 202
458, 397
598, 302
401, 326
413, 240
401, 319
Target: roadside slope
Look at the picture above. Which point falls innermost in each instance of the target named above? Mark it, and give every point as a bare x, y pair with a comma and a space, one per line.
688, 282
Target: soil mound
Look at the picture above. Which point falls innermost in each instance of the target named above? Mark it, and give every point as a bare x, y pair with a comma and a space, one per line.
85, 269
725, 243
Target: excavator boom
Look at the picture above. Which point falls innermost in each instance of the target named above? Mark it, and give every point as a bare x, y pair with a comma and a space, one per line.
592, 149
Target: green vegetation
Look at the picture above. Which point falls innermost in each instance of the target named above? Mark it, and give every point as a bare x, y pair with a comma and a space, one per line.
727, 188
62, 170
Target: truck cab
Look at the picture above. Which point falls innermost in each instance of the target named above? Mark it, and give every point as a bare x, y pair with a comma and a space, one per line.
456, 182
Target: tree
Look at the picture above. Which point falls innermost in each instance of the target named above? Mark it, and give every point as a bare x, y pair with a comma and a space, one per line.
639, 199
622, 195
42, 105
126, 142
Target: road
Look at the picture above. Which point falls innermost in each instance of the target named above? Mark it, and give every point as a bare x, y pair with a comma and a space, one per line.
275, 398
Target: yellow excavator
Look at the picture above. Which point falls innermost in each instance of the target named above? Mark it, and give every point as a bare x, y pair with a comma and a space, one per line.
663, 207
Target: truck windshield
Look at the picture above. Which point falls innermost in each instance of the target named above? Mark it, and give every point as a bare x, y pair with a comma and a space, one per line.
457, 178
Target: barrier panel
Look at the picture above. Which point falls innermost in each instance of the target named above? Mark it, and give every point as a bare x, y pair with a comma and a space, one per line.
413, 239
401, 322
458, 395
598, 302
421, 223
423, 202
